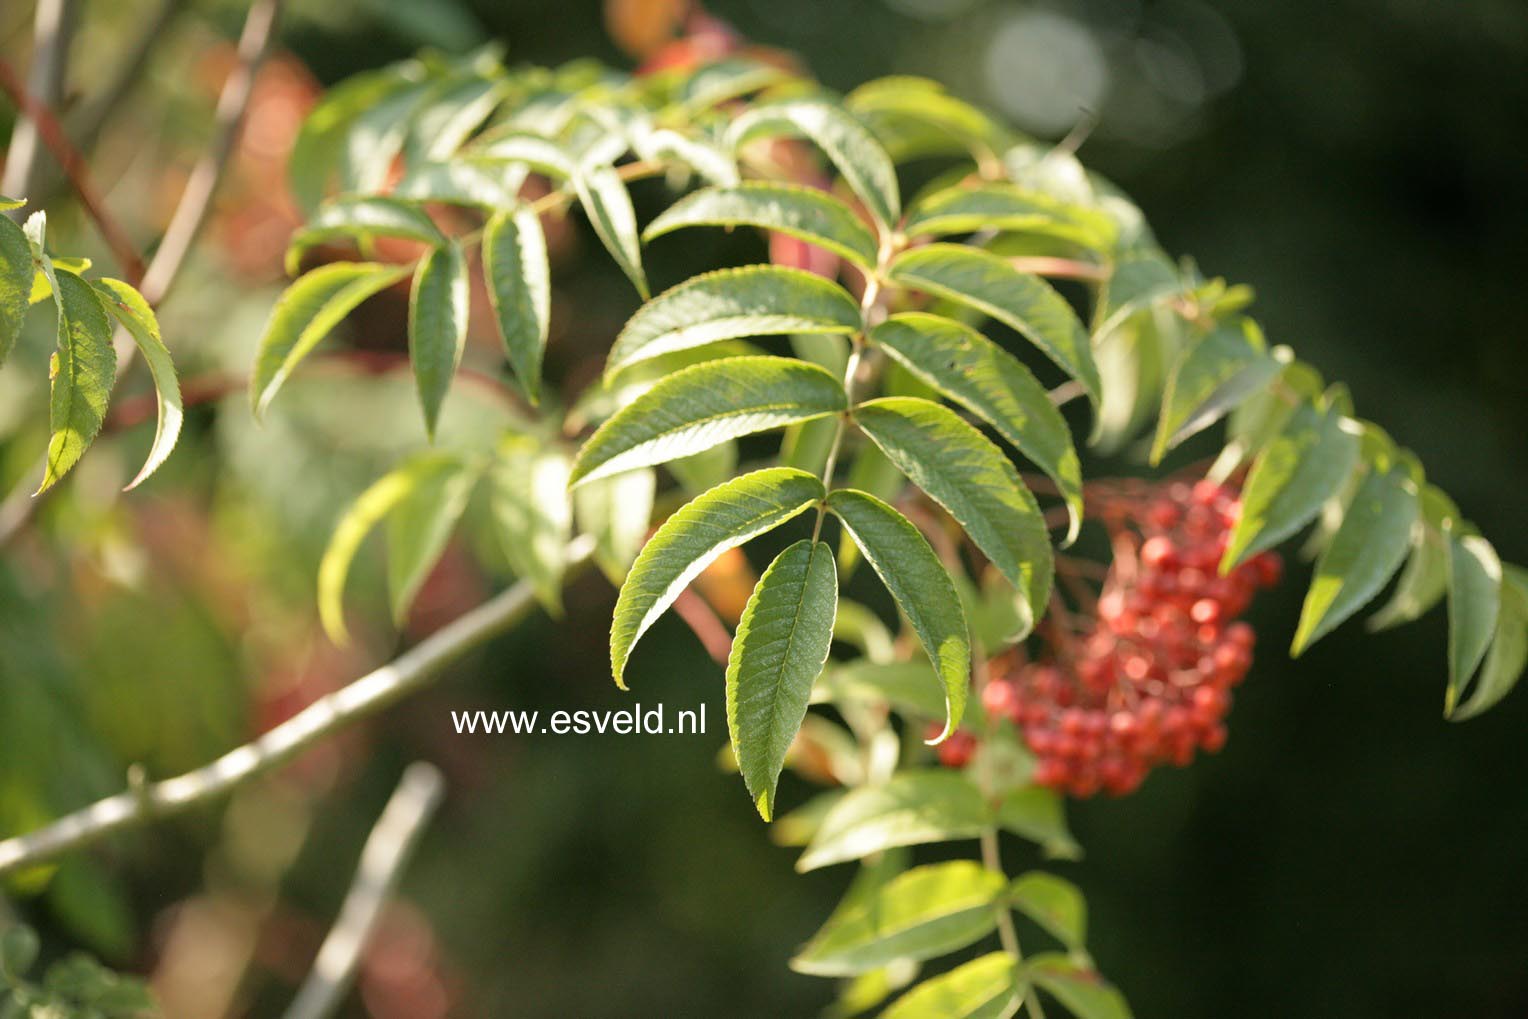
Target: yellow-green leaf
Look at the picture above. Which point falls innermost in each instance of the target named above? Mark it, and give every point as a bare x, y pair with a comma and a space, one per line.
129, 308
520, 290
437, 326
792, 209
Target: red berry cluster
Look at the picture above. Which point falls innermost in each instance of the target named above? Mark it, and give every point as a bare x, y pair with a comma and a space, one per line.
1148, 681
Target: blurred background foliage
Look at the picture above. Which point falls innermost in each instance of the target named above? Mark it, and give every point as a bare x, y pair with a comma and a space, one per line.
1349, 853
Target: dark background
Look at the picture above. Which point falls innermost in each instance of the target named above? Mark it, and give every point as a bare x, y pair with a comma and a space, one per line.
1349, 853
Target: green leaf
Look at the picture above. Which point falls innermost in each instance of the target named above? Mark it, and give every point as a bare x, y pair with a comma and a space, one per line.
608, 205
984, 988
361, 218
909, 687
528, 151
1422, 583
781, 644
915, 117
1367, 548
129, 308
615, 511
917, 580
1084, 993
305, 313
690, 540
754, 300
911, 808
7, 204
1020, 300
365, 513
926, 912
963, 471
1039, 814
846, 142
1291, 479
534, 514
992, 384
707, 404
418, 529
520, 289
84, 371
803, 212
1006, 207
320, 143
702, 156
1509, 650
437, 326
1213, 375
1474, 601
464, 181
16, 270
1053, 903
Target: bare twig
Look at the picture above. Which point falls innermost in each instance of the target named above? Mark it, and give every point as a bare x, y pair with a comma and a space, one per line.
52, 26
196, 200
38, 113
386, 853
409, 672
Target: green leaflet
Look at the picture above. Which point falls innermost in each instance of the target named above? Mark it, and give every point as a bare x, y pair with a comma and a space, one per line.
917, 580
615, 511
1291, 479
846, 142
923, 913
534, 516
781, 645
606, 202
84, 370
984, 988
418, 529
915, 117
1474, 601
360, 218
322, 139
365, 513
714, 83
1038, 814
1509, 649
7, 204
1053, 903
1020, 300
991, 383
1139, 280
970, 477
703, 157
1213, 375
454, 110
909, 687
464, 181
803, 212
305, 313
690, 540
527, 151
705, 405
16, 270
520, 290
1009, 208
437, 325
129, 308
754, 300
1084, 993
1421, 585
1367, 548
911, 808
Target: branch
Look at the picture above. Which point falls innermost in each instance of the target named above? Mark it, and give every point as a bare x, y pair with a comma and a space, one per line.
411, 671
52, 25
196, 200
386, 853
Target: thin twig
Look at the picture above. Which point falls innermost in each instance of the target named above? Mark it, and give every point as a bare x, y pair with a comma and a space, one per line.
707, 626
1060, 268
386, 853
196, 200
38, 112
52, 26
409, 672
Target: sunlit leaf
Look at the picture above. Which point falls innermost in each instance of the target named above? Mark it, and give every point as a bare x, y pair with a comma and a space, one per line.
16, 271
84, 371
1006, 207
917, 580
520, 289
707, 404
754, 300
534, 513
1077, 986
1054, 903
812, 215
1474, 601
690, 540
1038, 814
130, 309
418, 529
615, 511
984, 988
909, 809
1509, 649
1213, 375
1020, 300
437, 326
781, 644
926, 912
361, 218
608, 205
